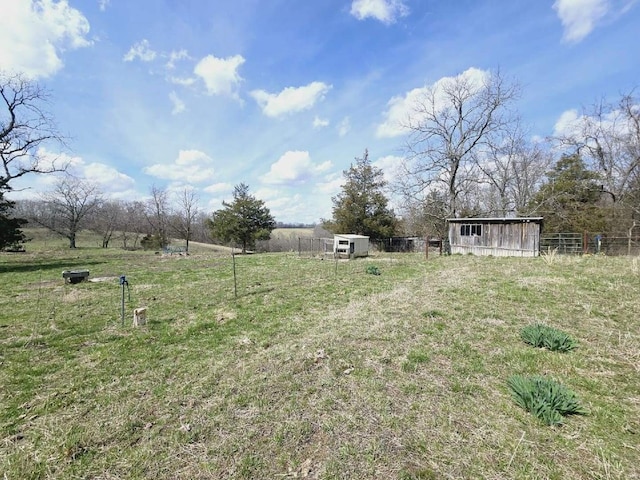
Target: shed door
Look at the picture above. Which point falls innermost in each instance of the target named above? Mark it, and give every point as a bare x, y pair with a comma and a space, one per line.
352, 247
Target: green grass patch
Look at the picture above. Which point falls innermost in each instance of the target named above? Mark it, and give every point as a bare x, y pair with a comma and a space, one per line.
414, 359
305, 368
546, 399
547, 337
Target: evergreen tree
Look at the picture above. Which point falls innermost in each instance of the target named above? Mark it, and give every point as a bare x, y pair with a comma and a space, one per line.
10, 234
244, 220
361, 207
570, 200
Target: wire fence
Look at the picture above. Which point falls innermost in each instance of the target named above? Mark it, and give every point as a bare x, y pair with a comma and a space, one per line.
318, 247
315, 247
586, 243
279, 274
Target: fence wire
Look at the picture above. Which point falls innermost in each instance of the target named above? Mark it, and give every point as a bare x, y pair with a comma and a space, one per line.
586, 243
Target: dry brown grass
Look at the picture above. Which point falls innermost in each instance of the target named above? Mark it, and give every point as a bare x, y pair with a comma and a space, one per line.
309, 375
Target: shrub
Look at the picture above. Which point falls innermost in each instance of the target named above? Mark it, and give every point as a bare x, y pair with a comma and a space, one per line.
373, 270
549, 256
152, 242
547, 399
550, 338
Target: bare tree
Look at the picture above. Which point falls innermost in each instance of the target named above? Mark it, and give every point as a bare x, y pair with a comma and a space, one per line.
133, 224
607, 137
425, 216
201, 231
452, 122
24, 127
157, 216
513, 169
66, 208
105, 220
186, 213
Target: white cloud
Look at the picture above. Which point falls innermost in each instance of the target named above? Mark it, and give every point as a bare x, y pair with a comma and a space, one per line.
219, 188
184, 81
294, 167
178, 104
401, 108
191, 166
221, 192
344, 127
331, 184
103, 4
140, 50
567, 124
220, 75
108, 179
320, 122
291, 99
34, 34
572, 124
390, 166
176, 55
387, 11
268, 194
50, 160
579, 17
281, 205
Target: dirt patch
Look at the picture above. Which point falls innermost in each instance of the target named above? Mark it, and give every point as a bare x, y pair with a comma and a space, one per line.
104, 279
224, 316
73, 296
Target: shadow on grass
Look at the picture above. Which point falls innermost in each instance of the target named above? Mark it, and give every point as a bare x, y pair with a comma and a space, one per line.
55, 265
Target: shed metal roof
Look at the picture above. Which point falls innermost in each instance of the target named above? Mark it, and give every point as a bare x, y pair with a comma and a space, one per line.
497, 220
350, 235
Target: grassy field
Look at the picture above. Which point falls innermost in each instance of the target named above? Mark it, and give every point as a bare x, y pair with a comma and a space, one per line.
310, 368
292, 233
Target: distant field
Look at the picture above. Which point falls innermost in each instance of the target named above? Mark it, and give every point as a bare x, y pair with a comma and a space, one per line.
291, 233
309, 368
45, 239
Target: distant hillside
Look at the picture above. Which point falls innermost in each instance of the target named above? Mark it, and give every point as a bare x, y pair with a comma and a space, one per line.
288, 233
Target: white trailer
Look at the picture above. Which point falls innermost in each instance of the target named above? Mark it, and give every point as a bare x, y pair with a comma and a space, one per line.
350, 246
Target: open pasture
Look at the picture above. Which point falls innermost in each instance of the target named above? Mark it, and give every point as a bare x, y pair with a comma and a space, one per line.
311, 368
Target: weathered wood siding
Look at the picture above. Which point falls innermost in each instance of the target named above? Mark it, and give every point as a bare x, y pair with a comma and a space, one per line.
499, 237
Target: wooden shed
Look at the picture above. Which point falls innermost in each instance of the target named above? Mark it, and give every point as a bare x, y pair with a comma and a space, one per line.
500, 237
350, 246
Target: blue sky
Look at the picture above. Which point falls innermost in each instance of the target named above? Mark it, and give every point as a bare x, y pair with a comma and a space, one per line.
283, 94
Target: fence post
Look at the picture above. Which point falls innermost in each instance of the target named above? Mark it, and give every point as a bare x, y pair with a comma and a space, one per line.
235, 283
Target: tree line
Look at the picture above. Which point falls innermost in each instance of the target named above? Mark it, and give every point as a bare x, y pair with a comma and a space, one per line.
75, 204
467, 154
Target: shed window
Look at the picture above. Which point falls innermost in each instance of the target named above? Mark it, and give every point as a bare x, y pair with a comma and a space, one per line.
343, 242
473, 229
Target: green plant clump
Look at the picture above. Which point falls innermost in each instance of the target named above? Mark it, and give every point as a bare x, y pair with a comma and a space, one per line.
543, 336
373, 270
545, 398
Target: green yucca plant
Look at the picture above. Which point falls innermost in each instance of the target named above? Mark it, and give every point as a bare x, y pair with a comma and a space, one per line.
373, 270
543, 336
547, 399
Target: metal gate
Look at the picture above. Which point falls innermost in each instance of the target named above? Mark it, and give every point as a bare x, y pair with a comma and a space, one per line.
571, 243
